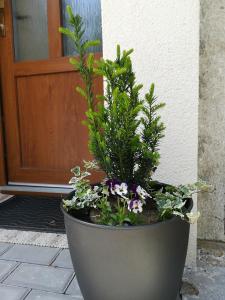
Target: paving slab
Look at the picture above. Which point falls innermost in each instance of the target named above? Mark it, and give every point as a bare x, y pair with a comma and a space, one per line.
210, 282
6, 267
12, 293
63, 260
4, 247
40, 295
74, 289
31, 254
40, 277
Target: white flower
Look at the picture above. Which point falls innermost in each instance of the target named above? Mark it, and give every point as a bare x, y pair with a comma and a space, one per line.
136, 206
136, 167
193, 217
141, 192
112, 191
121, 189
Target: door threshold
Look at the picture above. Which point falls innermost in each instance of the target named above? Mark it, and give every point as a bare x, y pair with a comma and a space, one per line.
34, 190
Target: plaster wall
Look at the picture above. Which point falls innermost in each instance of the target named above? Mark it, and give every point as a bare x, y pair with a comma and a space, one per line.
212, 118
165, 37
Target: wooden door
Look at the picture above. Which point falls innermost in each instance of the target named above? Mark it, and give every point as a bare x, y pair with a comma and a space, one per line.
44, 137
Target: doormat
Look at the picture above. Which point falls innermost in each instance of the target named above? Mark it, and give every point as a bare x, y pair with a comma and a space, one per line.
32, 213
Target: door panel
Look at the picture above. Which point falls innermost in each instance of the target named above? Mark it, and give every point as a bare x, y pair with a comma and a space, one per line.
42, 111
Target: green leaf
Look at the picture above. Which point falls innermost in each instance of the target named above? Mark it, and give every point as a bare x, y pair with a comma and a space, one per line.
98, 71
127, 53
81, 92
152, 89
119, 72
67, 32
76, 171
74, 62
70, 12
90, 60
118, 52
89, 44
101, 97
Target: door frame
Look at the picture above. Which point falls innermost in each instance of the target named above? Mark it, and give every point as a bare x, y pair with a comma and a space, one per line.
3, 176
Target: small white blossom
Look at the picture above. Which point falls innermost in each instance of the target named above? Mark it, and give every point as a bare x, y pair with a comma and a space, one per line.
136, 167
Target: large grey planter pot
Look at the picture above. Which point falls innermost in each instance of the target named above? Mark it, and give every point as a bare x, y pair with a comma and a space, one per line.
128, 263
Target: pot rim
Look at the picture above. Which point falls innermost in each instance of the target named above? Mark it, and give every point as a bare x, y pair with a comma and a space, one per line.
125, 228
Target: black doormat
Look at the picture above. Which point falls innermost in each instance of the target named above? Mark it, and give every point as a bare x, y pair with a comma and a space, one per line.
35, 213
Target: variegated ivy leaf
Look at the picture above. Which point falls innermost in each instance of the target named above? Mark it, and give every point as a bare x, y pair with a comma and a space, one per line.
76, 171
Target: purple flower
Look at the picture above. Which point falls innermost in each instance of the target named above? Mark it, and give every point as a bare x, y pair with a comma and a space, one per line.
135, 206
111, 184
133, 190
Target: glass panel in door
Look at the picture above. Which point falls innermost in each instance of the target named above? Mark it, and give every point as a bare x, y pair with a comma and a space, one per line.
90, 11
30, 26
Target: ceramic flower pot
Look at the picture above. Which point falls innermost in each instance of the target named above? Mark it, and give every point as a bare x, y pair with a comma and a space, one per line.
128, 263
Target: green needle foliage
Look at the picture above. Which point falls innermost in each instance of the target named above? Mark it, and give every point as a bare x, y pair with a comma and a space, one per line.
124, 127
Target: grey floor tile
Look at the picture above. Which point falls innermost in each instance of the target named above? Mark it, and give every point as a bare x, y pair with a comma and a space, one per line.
40, 295
6, 267
40, 277
210, 282
4, 247
31, 254
74, 289
63, 260
12, 293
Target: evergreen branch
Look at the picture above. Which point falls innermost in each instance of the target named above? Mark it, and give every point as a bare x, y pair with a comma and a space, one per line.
124, 129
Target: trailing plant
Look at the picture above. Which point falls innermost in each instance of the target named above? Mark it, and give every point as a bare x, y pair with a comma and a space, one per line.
116, 203
124, 134
172, 200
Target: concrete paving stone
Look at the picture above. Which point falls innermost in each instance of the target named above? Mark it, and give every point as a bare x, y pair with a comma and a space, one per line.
210, 281
74, 289
12, 293
4, 247
6, 267
63, 260
31, 254
40, 295
40, 277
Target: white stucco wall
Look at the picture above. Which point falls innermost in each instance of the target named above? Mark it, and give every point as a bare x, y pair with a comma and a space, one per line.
165, 37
